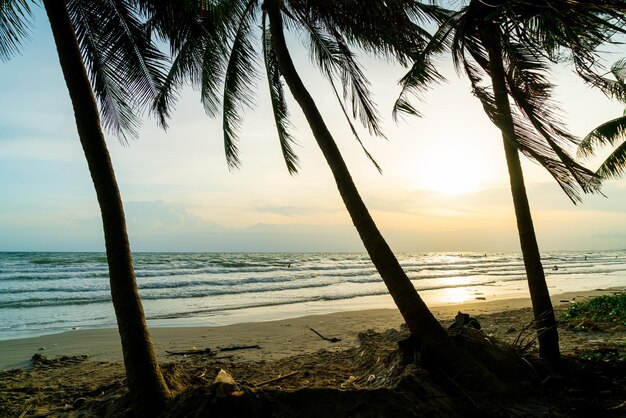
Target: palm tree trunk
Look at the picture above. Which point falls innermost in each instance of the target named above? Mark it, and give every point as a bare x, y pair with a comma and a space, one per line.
545, 321
421, 322
145, 381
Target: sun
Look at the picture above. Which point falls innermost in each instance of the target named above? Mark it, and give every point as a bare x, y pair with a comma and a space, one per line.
451, 168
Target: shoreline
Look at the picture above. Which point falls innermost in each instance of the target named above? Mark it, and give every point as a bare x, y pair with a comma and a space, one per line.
276, 338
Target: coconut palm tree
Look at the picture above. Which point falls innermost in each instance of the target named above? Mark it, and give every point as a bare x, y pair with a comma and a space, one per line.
214, 49
506, 48
103, 50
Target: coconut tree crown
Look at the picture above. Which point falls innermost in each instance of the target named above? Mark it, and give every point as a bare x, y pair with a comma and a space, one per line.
124, 66
530, 37
216, 48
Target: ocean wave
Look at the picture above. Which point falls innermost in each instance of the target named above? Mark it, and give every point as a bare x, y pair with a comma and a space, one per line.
54, 287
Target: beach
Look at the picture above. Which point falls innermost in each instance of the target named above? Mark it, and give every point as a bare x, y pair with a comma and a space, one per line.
276, 339
80, 373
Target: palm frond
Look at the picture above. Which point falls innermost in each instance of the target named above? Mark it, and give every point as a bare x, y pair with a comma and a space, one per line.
238, 82
15, 20
217, 22
571, 176
125, 68
356, 87
618, 69
609, 133
528, 86
333, 56
185, 66
369, 29
423, 74
615, 89
615, 165
326, 53
353, 129
117, 111
199, 42
279, 104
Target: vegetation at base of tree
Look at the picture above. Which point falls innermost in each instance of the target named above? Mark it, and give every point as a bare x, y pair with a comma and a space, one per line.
605, 354
608, 308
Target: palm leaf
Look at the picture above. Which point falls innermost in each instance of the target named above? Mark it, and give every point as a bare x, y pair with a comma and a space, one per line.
356, 87
325, 52
185, 66
610, 132
118, 113
369, 29
279, 104
217, 22
15, 19
199, 47
125, 68
238, 83
423, 74
333, 56
615, 165
619, 70
570, 176
353, 129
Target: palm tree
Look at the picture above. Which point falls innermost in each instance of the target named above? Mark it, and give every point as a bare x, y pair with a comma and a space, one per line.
104, 40
612, 132
217, 44
505, 48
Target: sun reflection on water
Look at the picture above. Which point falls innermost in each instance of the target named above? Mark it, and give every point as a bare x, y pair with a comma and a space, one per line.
457, 294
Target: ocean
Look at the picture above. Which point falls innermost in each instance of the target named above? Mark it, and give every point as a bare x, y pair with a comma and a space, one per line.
44, 293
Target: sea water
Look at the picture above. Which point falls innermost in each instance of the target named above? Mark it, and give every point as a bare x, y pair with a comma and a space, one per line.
42, 293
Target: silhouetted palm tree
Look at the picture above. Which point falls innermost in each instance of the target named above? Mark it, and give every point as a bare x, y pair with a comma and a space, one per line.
103, 49
505, 48
214, 49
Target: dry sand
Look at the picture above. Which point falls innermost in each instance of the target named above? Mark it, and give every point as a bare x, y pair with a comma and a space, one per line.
277, 339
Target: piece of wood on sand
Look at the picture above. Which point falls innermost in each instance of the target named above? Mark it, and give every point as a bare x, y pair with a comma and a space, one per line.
332, 340
276, 379
193, 351
234, 347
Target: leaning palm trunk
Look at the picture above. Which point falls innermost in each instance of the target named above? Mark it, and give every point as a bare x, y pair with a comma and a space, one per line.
145, 381
421, 322
545, 322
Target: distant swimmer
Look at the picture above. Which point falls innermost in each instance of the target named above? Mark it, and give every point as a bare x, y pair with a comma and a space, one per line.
585, 258
289, 265
555, 268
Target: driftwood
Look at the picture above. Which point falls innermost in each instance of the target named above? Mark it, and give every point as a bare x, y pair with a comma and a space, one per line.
239, 347
209, 352
332, 340
276, 379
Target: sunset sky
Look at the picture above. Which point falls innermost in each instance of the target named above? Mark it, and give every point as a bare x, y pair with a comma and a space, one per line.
444, 186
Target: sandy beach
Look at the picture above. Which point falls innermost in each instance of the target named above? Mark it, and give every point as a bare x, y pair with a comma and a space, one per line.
276, 339
80, 373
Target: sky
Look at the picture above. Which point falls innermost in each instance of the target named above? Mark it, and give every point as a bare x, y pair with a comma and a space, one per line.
444, 185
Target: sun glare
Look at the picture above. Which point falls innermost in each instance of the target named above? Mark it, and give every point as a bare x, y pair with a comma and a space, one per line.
451, 169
